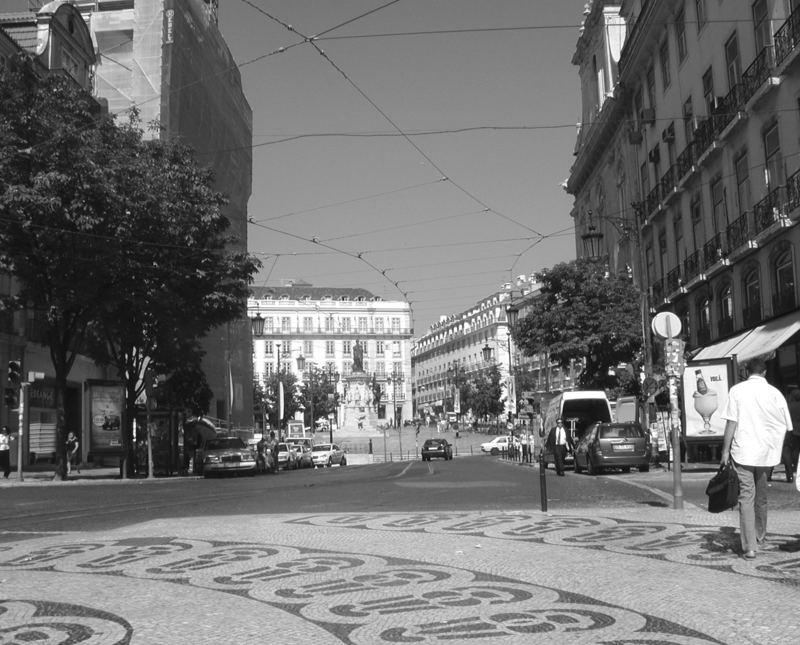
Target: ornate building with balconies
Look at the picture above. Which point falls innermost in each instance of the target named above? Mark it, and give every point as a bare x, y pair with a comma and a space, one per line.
323, 325
687, 166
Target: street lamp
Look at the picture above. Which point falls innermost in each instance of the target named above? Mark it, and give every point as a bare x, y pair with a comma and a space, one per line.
257, 325
333, 378
301, 366
393, 379
512, 315
592, 240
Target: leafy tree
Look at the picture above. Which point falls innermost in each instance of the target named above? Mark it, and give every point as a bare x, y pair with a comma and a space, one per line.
486, 393
318, 394
56, 187
584, 313
291, 398
174, 276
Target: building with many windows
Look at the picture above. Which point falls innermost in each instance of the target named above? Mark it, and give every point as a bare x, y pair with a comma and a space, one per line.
687, 166
323, 325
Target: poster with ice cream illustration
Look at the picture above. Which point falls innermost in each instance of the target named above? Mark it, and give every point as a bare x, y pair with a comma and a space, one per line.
705, 394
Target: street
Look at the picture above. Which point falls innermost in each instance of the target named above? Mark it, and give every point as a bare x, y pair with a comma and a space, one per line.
426, 552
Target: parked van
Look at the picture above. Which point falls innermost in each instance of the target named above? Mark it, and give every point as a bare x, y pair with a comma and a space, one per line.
579, 409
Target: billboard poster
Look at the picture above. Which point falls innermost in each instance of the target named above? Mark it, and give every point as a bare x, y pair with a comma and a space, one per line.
705, 395
106, 404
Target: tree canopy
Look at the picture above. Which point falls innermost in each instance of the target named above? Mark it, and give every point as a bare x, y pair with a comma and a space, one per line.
584, 313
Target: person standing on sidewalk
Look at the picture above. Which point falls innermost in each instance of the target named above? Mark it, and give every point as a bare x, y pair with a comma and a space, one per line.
558, 441
5, 450
72, 452
757, 419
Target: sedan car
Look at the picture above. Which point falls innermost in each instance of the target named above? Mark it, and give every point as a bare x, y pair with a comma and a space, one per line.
227, 455
613, 445
287, 457
437, 448
328, 454
498, 444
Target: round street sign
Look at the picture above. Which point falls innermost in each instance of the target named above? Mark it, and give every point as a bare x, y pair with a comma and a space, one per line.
666, 325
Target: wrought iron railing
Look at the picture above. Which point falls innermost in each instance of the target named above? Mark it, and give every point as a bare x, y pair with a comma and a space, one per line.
767, 211
674, 280
714, 250
758, 72
739, 231
668, 180
793, 192
652, 200
787, 38
692, 266
685, 160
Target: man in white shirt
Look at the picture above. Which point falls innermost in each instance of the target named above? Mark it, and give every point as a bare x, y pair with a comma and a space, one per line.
757, 419
558, 441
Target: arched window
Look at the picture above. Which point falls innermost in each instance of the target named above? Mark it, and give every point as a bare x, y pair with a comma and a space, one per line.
751, 292
725, 310
783, 292
703, 321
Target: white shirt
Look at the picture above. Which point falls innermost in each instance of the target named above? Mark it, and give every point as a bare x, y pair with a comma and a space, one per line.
5, 441
561, 438
762, 420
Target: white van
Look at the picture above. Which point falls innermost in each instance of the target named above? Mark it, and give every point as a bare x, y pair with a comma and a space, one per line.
578, 409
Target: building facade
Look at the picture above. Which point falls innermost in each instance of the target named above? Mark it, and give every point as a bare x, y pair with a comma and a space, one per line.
687, 166
168, 59
58, 42
323, 325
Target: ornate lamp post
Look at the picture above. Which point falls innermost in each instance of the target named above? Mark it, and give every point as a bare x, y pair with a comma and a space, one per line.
512, 314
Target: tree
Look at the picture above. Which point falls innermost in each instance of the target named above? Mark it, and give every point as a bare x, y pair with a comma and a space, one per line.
56, 187
318, 394
584, 313
175, 275
486, 394
291, 400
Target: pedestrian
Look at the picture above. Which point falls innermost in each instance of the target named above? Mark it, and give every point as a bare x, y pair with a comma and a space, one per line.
72, 452
558, 442
273, 451
791, 443
757, 419
5, 450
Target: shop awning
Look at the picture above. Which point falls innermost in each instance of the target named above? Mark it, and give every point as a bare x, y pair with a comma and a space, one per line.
758, 341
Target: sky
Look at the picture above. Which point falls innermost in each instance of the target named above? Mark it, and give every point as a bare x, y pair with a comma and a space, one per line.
415, 148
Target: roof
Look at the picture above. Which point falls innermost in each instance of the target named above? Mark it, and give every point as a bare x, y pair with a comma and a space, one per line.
21, 28
302, 292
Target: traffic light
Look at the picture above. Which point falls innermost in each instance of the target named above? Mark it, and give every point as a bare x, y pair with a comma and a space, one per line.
14, 373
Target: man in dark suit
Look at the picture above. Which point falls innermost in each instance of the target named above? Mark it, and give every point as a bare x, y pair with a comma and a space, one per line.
558, 441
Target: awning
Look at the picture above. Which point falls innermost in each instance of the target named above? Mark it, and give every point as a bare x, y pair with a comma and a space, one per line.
758, 341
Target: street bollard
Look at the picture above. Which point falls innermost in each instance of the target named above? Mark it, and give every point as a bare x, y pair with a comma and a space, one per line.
542, 481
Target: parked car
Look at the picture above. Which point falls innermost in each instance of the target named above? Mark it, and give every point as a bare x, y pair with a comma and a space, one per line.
437, 448
227, 455
613, 445
498, 444
287, 457
304, 455
328, 454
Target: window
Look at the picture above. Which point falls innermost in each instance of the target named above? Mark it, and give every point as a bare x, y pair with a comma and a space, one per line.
726, 309
286, 324
718, 211
783, 277
380, 349
680, 34
395, 325
696, 209
677, 230
650, 87
751, 291
346, 324
761, 25
733, 62
379, 325
743, 196
644, 178
700, 10
704, 319
651, 264
637, 109
708, 90
268, 348
662, 252
308, 323
688, 120
395, 348
380, 368
362, 324
330, 348
663, 56
308, 348
329, 326
773, 159
347, 347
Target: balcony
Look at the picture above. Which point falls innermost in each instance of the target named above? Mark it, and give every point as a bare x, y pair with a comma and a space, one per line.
787, 39
685, 164
757, 78
740, 234
652, 200
725, 326
784, 301
668, 182
751, 314
691, 266
714, 251
793, 193
674, 280
767, 213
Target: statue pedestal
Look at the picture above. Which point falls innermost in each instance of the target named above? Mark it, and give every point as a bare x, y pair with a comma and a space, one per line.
360, 413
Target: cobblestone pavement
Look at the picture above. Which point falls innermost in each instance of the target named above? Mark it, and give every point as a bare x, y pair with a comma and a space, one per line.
643, 576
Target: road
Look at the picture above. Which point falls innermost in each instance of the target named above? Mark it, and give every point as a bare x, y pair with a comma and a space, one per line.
476, 483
